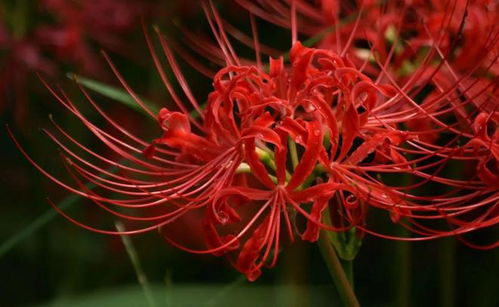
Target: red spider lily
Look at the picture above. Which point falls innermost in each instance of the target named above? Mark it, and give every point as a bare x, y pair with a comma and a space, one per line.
309, 87
487, 138
443, 58
456, 25
294, 141
440, 44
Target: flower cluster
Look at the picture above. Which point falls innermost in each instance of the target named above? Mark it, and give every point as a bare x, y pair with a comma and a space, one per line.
400, 118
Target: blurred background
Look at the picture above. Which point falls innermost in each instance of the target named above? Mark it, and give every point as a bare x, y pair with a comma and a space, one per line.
47, 261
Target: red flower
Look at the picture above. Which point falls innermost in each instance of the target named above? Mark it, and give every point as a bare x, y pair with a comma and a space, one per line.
292, 142
19, 57
486, 137
80, 22
442, 59
67, 40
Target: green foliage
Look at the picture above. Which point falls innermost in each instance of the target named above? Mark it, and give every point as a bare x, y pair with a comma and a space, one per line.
112, 92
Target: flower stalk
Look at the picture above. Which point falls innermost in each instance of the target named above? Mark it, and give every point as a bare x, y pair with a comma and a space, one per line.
447, 272
337, 272
403, 274
134, 258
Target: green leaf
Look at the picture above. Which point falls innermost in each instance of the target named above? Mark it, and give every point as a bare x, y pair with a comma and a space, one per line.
113, 93
119, 95
34, 226
44, 219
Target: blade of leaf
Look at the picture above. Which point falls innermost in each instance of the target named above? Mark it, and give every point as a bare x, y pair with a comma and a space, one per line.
112, 92
43, 219
105, 90
119, 94
34, 226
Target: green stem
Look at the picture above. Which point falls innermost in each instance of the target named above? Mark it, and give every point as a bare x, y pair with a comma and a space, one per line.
293, 152
340, 279
403, 273
295, 276
447, 272
348, 268
168, 288
20, 19
134, 258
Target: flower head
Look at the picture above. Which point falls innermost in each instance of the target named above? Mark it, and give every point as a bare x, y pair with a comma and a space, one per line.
319, 139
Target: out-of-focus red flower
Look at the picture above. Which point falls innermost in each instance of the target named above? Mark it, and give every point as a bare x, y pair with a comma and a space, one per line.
81, 22
69, 39
401, 31
19, 57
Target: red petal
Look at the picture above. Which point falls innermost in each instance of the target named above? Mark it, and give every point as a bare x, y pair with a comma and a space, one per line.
313, 230
310, 156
